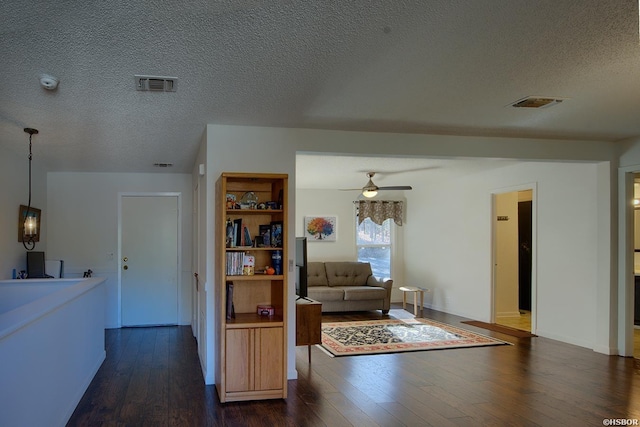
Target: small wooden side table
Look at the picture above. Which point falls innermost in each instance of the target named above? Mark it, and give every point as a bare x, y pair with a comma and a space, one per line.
415, 290
308, 323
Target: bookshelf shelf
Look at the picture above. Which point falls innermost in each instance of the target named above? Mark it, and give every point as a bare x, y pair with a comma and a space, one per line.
254, 278
251, 249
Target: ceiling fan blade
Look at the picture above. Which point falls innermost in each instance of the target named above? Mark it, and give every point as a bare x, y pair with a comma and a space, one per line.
350, 189
396, 187
397, 172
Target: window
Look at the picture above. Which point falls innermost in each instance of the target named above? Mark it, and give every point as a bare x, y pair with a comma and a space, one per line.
373, 243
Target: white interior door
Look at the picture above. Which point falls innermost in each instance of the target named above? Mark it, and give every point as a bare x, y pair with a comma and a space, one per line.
149, 260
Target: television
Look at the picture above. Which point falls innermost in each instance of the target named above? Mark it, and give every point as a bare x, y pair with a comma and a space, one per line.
35, 265
301, 267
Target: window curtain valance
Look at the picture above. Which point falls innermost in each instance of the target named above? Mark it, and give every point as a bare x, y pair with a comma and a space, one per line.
380, 210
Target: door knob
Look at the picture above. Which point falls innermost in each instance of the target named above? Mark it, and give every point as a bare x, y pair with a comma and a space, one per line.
126, 267
125, 259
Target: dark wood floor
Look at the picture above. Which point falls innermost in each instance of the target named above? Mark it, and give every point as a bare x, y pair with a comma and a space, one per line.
151, 377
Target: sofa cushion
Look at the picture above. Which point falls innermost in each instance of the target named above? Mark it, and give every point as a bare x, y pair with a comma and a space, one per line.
347, 273
359, 293
325, 293
316, 275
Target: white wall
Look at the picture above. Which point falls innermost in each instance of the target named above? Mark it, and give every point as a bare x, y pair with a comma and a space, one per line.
14, 176
51, 349
333, 203
457, 264
247, 149
83, 227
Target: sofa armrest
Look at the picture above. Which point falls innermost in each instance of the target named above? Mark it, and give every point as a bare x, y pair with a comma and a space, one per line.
373, 281
387, 285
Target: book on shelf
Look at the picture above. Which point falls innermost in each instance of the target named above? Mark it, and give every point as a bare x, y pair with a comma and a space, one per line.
237, 231
234, 263
231, 313
246, 237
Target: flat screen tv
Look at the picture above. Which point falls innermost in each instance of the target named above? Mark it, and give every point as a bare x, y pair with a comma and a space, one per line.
301, 267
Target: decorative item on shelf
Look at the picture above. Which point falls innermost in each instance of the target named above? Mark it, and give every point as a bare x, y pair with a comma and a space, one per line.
276, 259
272, 205
265, 232
249, 200
269, 270
231, 201
248, 265
262, 206
258, 242
276, 234
266, 310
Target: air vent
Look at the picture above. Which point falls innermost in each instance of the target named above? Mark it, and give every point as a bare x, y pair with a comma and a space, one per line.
163, 165
536, 102
156, 83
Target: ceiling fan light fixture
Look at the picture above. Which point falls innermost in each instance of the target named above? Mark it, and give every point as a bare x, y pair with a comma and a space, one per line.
537, 102
370, 190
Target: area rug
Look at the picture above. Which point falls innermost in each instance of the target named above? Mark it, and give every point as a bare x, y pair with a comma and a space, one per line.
507, 330
394, 335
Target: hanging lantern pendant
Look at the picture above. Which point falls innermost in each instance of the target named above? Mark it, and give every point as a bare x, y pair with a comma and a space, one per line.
30, 221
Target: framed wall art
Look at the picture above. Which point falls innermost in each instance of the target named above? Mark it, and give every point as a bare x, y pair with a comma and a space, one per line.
320, 228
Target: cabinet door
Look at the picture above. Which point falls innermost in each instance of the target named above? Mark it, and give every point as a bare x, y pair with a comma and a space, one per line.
239, 360
269, 358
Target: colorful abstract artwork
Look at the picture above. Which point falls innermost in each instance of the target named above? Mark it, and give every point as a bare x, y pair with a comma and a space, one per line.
320, 228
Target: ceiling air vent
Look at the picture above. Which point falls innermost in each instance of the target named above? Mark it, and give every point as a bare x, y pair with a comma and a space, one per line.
163, 165
156, 83
536, 102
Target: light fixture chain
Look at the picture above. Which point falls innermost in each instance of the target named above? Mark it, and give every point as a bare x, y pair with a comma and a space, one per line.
30, 244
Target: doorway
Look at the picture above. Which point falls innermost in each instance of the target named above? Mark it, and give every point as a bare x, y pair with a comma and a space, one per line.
513, 237
148, 259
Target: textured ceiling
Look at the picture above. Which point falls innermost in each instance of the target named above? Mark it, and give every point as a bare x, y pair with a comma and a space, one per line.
438, 66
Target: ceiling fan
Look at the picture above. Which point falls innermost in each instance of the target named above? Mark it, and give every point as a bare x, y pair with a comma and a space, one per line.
370, 190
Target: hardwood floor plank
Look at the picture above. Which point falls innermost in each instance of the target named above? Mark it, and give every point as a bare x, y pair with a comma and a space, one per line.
152, 377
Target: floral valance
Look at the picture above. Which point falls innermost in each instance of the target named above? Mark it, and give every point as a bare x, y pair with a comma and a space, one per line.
380, 210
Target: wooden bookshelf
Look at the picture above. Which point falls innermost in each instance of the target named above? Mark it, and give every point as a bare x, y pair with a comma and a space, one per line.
251, 349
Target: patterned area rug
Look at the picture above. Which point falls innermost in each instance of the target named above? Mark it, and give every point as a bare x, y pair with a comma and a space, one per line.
393, 335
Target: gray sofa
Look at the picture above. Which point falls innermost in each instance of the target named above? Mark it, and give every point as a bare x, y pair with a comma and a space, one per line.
347, 286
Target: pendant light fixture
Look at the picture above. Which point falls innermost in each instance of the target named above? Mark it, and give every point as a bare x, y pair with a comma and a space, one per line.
30, 221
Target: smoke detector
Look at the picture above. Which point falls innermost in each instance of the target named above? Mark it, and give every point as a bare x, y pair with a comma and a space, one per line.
156, 83
49, 82
537, 102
